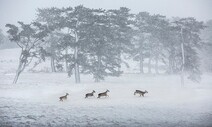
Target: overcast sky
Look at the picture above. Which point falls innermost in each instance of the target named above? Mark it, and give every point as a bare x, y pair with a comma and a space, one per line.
12, 11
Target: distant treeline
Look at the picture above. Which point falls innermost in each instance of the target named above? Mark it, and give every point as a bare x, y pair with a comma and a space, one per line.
93, 41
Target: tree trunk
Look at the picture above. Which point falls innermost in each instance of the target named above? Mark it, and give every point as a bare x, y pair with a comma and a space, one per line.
170, 69
76, 68
21, 67
183, 62
119, 68
183, 59
141, 63
149, 65
66, 61
52, 64
98, 69
18, 72
156, 65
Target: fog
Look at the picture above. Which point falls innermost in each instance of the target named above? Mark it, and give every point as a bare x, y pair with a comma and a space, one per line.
12, 11
147, 66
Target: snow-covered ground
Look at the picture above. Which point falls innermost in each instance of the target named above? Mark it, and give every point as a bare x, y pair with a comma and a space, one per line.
34, 101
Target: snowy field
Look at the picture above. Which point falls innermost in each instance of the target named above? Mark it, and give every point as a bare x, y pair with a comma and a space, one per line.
34, 101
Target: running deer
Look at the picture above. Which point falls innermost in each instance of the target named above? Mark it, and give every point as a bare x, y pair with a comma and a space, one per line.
89, 94
140, 92
63, 97
103, 94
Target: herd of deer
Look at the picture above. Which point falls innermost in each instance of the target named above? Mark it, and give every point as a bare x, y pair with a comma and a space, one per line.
104, 94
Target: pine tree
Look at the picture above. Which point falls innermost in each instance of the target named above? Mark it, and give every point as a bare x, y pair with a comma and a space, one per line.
189, 33
28, 37
140, 39
73, 23
107, 38
206, 51
53, 49
102, 58
121, 25
76, 21
149, 39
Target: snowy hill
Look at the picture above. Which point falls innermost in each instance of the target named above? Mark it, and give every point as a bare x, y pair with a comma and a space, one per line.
34, 101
